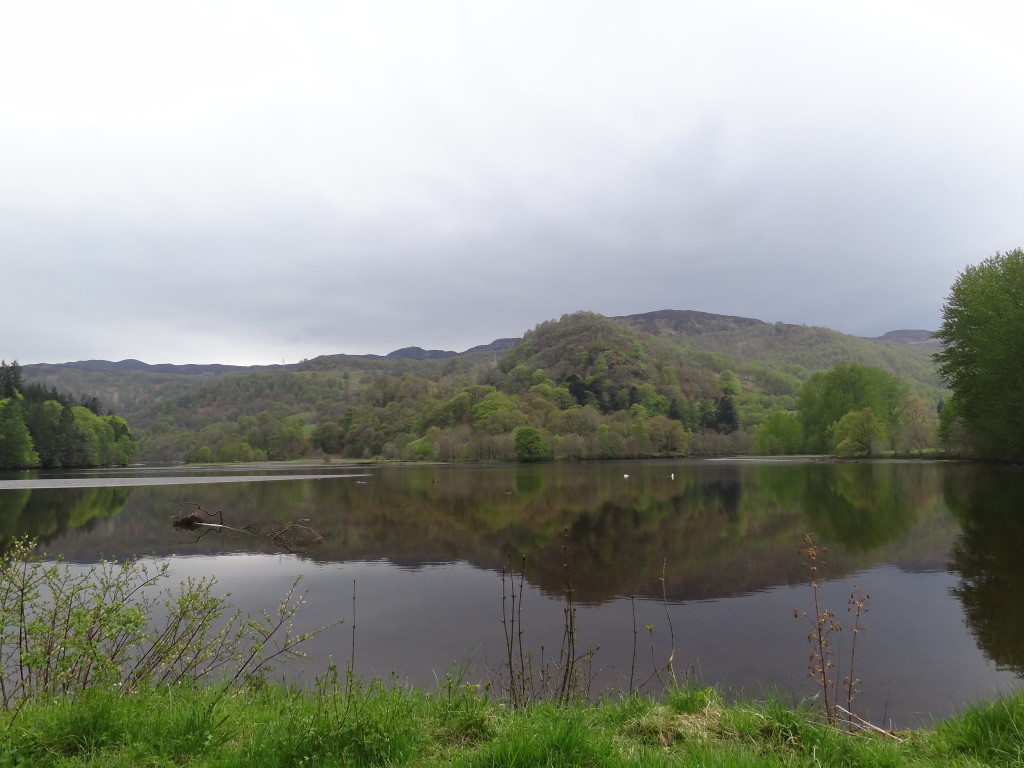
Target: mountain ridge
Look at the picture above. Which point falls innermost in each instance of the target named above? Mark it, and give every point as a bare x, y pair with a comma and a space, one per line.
663, 322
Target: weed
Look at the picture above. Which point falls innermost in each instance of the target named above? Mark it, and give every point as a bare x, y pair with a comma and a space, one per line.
858, 605
823, 624
821, 665
560, 680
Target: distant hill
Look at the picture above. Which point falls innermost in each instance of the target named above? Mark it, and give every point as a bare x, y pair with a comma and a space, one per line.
924, 339
720, 333
771, 356
196, 369
137, 365
687, 322
797, 349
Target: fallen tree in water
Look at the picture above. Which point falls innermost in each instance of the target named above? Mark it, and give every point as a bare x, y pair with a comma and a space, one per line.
292, 537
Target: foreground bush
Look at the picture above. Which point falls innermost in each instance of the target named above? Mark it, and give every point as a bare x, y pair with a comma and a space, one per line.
66, 631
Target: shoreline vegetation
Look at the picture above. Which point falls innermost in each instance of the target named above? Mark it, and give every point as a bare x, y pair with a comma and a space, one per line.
345, 721
111, 668
583, 387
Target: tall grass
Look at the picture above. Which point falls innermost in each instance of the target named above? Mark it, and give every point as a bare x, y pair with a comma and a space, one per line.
388, 725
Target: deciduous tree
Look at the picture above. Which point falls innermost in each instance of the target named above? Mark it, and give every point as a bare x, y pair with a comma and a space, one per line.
531, 445
829, 395
982, 360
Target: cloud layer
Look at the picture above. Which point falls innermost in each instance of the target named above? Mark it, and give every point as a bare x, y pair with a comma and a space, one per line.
246, 182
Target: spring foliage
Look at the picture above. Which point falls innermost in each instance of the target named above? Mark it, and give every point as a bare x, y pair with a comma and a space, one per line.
44, 427
983, 333
115, 625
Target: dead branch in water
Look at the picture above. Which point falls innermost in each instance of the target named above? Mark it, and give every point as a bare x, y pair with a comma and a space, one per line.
292, 537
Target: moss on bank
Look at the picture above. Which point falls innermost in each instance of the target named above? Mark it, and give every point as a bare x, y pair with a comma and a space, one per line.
376, 725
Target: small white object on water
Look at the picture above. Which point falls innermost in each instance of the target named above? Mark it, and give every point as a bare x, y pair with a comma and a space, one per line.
625, 475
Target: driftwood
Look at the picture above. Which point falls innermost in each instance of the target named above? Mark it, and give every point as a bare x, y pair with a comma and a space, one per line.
292, 537
859, 723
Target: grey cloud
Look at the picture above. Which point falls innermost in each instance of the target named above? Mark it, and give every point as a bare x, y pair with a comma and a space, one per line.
358, 178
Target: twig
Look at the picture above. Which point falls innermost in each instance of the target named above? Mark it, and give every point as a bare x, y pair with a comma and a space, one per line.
671, 630
865, 725
632, 665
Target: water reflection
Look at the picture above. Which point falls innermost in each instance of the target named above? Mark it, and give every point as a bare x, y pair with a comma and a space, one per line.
716, 538
713, 529
987, 557
47, 513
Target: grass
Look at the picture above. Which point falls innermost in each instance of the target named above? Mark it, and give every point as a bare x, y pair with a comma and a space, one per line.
374, 724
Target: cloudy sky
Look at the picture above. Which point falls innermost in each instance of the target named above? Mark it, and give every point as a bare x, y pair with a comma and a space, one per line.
256, 181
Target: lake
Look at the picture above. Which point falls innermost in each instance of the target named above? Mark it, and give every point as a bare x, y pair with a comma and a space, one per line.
695, 555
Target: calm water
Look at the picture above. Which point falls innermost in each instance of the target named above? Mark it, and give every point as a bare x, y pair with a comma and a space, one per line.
412, 558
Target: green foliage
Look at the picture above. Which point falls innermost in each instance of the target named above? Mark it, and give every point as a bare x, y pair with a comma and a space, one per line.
728, 383
66, 631
16, 448
10, 378
951, 425
40, 427
857, 433
373, 724
594, 387
827, 396
327, 436
990, 733
531, 445
983, 333
781, 432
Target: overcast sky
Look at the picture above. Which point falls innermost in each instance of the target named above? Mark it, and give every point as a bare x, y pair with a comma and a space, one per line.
250, 182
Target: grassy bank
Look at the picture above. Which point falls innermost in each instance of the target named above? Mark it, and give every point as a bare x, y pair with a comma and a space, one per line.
375, 725
108, 667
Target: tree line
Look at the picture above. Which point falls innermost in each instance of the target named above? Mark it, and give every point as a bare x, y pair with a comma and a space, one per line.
43, 427
582, 387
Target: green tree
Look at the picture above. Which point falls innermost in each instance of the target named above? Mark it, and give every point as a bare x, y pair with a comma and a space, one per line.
728, 383
531, 445
10, 378
667, 437
16, 449
327, 436
982, 360
43, 422
727, 419
857, 433
829, 395
779, 433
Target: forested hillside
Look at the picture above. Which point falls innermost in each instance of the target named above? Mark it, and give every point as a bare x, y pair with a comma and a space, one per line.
582, 387
44, 427
797, 349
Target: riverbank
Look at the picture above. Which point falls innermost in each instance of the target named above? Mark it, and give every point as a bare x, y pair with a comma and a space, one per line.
354, 724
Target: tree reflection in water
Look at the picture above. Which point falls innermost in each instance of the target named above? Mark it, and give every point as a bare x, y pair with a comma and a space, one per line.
987, 555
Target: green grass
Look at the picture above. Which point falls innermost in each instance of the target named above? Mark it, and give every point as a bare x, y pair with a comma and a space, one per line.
346, 722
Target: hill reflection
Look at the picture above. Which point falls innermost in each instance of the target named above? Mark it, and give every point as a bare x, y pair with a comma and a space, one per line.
715, 528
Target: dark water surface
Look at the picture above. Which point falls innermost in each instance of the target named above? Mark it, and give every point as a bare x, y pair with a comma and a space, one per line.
704, 551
